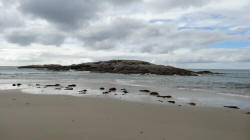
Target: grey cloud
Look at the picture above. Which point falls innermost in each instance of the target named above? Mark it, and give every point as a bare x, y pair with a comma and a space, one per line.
27, 37
136, 36
64, 13
69, 14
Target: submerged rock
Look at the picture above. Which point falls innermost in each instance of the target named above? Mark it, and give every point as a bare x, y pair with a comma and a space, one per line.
72, 85
83, 91
105, 92
172, 102
112, 89
121, 66
192, 103
154, 93
68, 88
144, 90
55, 85
233, 107
168, 96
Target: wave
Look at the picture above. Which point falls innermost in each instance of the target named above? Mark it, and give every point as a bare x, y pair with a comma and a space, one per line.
233, 95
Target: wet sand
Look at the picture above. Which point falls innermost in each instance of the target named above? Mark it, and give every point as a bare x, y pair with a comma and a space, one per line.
59, 117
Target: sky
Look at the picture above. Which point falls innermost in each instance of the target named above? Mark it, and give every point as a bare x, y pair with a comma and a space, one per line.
209, 34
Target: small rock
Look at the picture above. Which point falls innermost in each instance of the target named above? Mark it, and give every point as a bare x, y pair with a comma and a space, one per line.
73, 85
102, 88
55, 85
172, 102
192, 103
68, 88
112, 89
19, 84
55, 88
115, 94
37, 84
105, 92
83, 91
154, 93
13, 84
144, 90
164, 96
233, 107
125, 91
248, 113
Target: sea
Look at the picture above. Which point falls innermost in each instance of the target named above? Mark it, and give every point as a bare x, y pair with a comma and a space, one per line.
230, 88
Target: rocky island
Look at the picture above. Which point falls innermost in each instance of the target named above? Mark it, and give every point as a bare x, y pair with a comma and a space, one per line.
120, 66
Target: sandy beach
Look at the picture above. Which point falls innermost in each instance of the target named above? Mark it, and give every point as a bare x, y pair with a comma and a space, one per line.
59, 117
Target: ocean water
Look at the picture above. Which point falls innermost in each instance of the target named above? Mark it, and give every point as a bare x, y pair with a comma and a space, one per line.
230, 88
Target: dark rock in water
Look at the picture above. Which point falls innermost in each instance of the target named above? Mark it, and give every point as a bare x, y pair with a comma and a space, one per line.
154, 93
125, 91
164, 96
55, 85
112, 89
102, 88
120, 66
83, 91
233, 107
68, 88
73, 85
106, 92
144, 90
13, 84
37, 84
192, 103
57, 88
173, 102
18, 84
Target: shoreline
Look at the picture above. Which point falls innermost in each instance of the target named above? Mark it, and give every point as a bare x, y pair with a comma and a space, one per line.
26, 117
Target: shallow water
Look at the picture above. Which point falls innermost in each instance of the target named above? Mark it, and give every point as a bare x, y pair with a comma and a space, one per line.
230, 88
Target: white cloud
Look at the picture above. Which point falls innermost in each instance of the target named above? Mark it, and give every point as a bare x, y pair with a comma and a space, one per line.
65, 32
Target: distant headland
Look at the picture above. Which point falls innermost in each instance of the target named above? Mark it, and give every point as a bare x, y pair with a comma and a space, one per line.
120, 66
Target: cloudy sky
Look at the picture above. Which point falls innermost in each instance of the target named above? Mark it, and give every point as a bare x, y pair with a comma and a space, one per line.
182, 33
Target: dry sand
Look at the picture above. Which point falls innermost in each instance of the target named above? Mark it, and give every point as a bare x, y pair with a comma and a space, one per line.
55, 117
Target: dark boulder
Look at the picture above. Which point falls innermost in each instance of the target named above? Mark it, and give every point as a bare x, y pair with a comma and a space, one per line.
164, 96
102, 88
154, 93
144, 90
172, 102
72, 85
68, 88
192, 103
233, 107
112, 89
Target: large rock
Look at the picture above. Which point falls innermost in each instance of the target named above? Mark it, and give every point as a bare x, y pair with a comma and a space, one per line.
120, 66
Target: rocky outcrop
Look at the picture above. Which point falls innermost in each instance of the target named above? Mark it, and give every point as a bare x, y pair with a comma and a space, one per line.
120, 66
